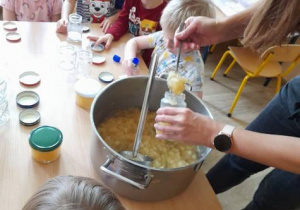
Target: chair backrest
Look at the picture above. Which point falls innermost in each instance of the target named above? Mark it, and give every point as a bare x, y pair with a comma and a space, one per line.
283, 53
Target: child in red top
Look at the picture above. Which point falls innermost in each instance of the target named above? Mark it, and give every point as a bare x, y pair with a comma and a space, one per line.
138, 17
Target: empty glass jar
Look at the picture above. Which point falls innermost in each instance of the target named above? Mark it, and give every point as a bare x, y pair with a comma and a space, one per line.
67, 57
74, 27
83, 64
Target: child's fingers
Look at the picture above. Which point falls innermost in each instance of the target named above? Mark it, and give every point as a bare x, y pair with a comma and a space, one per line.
108, 43
105, 27
92, 38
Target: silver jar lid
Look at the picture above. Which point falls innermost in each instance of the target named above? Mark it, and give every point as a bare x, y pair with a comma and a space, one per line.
28, 99
29, 117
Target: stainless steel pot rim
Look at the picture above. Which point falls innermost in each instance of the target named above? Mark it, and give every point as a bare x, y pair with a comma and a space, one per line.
122, 158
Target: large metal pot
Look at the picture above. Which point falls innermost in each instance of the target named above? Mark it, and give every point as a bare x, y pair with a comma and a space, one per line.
128, 178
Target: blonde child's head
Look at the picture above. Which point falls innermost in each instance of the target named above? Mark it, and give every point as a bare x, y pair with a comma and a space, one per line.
178, 11
73, 193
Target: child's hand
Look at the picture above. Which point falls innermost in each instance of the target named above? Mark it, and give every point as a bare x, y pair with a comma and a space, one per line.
61, 26
106, 38
108, 22
127, 67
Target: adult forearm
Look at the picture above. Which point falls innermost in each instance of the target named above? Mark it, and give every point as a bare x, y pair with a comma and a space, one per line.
234, 26
272, 150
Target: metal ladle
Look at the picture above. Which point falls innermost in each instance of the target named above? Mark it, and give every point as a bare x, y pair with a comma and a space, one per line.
181, 27
134, 155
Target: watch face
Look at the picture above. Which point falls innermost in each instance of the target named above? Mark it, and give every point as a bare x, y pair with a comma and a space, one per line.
222, 142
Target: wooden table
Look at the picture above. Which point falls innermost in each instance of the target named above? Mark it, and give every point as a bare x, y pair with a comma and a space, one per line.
20, 175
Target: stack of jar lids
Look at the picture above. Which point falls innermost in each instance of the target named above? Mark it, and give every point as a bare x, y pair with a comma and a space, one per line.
12, 35
29, 99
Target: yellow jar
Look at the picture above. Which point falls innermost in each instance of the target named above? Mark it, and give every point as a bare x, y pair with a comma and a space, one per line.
86, 89
45, 143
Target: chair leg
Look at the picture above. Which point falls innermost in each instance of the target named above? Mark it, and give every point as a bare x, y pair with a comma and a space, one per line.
229, 68
219, 65
268, 80
278, 84
236, 98
212, 48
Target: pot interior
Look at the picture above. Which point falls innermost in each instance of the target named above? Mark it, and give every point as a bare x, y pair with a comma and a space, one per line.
129, 93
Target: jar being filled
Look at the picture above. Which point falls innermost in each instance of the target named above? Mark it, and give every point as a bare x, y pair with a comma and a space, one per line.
176, 83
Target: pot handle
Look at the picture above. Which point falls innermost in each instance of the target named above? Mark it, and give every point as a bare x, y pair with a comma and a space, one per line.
105, 169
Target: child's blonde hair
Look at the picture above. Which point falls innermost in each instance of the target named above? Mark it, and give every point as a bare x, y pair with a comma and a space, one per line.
73, 192
178, 11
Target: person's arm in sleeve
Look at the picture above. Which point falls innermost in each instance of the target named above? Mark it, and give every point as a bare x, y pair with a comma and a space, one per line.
115, 31
120, 27
109, 21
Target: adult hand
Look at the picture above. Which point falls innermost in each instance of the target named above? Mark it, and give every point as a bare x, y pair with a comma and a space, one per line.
184, 125
106, 38
199, 31
61, 26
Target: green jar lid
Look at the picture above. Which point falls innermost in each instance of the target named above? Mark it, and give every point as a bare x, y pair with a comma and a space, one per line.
45, 138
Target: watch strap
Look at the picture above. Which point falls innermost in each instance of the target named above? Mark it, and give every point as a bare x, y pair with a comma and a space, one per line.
227, 130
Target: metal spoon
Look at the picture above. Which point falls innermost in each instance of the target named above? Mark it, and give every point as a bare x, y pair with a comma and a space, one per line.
134, 155
181, 27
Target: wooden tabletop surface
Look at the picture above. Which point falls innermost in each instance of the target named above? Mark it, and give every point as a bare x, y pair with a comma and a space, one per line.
20, 175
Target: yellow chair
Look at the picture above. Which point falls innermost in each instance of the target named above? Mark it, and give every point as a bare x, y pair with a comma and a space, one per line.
268, 64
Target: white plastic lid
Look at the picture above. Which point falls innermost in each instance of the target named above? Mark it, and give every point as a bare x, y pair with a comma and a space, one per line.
13, 36
10, 26
87, 87
29, 78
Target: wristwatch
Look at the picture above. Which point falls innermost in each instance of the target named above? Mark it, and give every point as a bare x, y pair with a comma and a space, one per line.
223, 141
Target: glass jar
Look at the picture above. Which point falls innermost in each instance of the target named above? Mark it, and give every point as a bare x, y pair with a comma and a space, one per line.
83, 64
172, 100
67, 57
45, 142
4, 113
74, 27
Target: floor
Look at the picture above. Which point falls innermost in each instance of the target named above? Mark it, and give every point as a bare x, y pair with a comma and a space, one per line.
218, 96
